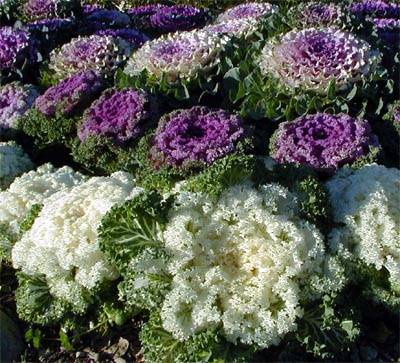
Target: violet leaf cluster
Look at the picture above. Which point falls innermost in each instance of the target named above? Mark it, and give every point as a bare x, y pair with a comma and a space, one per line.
111, 127
17, 50
16, 99
57, 111
324, 141
196, 137
179, 18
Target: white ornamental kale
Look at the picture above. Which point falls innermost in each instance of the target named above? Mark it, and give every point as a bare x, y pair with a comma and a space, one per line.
251, 10
62, 242
95, 52
239, 264
180, 55
367, 203
312, 58
31, 188
16, 99
13, 162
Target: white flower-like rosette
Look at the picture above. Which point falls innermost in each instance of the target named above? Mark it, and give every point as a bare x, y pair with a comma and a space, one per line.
178, 56
312, 58
96, 52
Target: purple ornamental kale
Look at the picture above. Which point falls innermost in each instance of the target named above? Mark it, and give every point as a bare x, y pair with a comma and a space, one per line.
49, 33
109, 18
134, 37
389, 30
376, 8
16, 46
71, 94
90, 8
51, 25
41, 9
179, 18
116, 115
197, 135
251, 10
322, 140
15, 100
316, 14
145, 10
140, 15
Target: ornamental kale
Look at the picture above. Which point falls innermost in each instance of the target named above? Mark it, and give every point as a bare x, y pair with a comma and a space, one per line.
366, 209
109, 18
389, 30
376, 8
24, 197
111, 127
50, 33
117, 114
311, 59
66, 230
195, 137
251, 10
132, 36
179, 261
177, 62
56, 114
15, 101
179, 18
16, 47
90, 8
71, 94
13, 162
96, 52
316, 14
323, 141
34, 10
238, 27
140, 16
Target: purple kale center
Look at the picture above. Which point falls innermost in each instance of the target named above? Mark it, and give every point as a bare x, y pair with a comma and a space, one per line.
195, 136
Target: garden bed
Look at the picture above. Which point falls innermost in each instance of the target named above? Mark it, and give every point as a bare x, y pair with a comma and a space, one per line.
215, 183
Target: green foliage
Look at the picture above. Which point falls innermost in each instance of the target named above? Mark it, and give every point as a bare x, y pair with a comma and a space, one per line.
34, 336
375, 283
226, 172
27, 223
8, 12
103, 156
129, 228
48, 130
145, 280
182, 92
35, 303
229, 170
161, 178
325, 330
208, 346
312, 195
6, 243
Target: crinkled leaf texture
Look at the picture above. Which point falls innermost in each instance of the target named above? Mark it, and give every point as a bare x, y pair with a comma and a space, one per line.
209, 346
